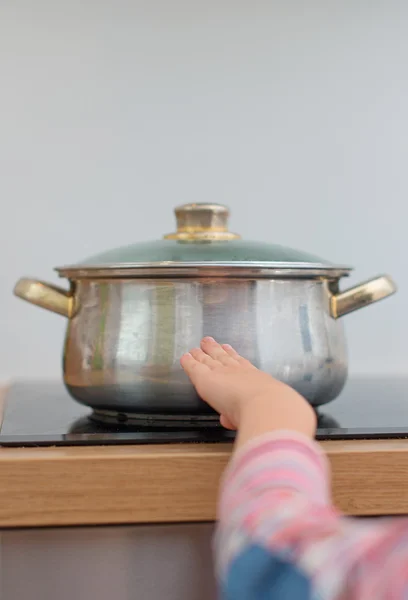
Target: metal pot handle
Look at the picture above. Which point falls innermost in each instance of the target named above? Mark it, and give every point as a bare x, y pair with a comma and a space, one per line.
361, 295
46, 296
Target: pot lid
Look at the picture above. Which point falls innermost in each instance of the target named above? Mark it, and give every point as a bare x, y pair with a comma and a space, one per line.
202, 241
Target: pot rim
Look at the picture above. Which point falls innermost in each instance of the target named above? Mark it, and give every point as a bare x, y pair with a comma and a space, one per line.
206, 269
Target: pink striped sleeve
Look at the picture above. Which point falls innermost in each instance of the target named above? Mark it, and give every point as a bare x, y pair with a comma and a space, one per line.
276, 494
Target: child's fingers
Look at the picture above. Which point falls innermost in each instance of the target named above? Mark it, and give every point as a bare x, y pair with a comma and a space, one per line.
230, 350
203, 358
234, 354
215, 350
193, 368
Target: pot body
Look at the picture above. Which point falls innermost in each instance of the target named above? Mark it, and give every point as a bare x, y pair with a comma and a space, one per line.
124, 342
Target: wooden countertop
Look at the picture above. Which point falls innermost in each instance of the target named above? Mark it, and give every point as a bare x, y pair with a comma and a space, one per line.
92, 485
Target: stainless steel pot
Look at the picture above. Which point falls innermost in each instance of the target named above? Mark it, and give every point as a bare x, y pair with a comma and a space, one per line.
132, 312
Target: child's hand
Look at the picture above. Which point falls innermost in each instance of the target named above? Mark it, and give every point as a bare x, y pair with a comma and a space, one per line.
246, 398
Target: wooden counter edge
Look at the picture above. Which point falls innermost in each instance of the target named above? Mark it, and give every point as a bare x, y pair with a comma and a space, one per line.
151, 484
101, 485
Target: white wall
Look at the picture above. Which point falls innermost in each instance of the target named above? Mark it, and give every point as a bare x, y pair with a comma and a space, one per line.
114, 111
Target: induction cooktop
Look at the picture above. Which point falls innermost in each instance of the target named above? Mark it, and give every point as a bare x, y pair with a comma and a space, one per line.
43, 414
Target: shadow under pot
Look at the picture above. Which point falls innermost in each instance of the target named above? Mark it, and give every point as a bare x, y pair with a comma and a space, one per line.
133, 311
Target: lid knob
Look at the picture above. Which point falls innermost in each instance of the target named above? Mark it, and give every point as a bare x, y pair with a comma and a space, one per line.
202, 222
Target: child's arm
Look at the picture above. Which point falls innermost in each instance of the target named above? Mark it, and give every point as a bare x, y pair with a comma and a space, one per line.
279, 537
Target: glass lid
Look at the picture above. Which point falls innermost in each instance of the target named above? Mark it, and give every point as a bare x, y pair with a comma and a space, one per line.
202, 241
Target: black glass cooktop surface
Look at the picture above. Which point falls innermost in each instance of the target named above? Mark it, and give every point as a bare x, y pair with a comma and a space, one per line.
43, 414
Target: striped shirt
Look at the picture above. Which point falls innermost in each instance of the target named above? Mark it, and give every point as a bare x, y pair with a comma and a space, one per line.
279, 536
